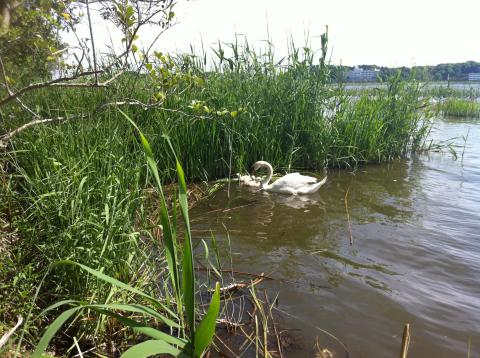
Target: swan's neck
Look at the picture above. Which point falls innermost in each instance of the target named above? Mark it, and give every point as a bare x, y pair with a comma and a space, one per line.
265, 182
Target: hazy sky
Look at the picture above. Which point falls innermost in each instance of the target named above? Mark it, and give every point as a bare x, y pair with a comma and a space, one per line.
388, 32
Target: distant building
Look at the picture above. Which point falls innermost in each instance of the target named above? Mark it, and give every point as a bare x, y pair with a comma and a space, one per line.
474, 76
361, 75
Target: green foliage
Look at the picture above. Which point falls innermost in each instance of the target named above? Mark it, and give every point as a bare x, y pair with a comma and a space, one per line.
458, 107
206, 329
201, 336
161, 343
28, 47
441, 92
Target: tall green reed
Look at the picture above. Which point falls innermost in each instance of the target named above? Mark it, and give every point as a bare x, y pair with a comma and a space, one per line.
458, 107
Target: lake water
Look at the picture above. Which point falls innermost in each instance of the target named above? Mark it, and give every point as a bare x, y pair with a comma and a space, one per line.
415, 257
461, 86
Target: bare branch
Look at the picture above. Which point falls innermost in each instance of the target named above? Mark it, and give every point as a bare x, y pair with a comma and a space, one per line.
93, 43
113, 78
25, 107
4, 75
59, 52
5, 138
56, 82
7, 335
77, 84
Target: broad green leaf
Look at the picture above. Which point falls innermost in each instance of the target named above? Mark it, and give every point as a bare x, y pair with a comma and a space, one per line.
182, 195
150, 348
137, 308
129, 11
117, 283
56, 305
206, 329
188, 275
168, 233
188, 282
144, 329
52, 330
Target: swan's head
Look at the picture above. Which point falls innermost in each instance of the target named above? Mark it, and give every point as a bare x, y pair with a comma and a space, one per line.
262, 164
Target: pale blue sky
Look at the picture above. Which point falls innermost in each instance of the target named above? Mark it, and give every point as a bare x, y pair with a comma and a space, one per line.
388, 32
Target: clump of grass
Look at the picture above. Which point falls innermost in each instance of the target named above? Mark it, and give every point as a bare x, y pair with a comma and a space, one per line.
442, 91
190, 339
459, 107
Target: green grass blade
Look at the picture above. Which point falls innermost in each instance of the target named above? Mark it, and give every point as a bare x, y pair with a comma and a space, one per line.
188, 275
137, 308
150, 348
168, 232
117, 283
188, 284
56, 305
206, 329
144, 329
52, 330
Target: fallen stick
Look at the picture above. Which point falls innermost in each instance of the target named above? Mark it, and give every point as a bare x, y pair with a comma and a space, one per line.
263, 276
236, 286
348, 214
405, 341
7, 335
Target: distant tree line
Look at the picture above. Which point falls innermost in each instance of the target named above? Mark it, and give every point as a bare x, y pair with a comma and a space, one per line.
441, 72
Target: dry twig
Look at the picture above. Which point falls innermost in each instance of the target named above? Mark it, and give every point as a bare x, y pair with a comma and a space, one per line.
7, 335
348, 214
405, 341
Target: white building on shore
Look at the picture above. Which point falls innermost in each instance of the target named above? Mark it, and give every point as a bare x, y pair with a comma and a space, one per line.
474, 76
361, 75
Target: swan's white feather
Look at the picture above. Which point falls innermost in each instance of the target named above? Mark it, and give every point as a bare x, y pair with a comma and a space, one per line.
294, 180
293, 183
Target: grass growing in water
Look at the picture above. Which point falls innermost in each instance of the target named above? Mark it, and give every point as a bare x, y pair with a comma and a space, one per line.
459, 107
444, 91
76, 190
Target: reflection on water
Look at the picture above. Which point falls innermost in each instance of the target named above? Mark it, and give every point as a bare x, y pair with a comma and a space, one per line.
415, 256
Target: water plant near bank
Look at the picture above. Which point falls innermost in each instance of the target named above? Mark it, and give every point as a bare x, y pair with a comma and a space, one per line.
458, 107
446, 91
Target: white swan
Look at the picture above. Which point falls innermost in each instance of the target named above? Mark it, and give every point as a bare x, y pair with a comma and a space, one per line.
248, 180
293, 183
